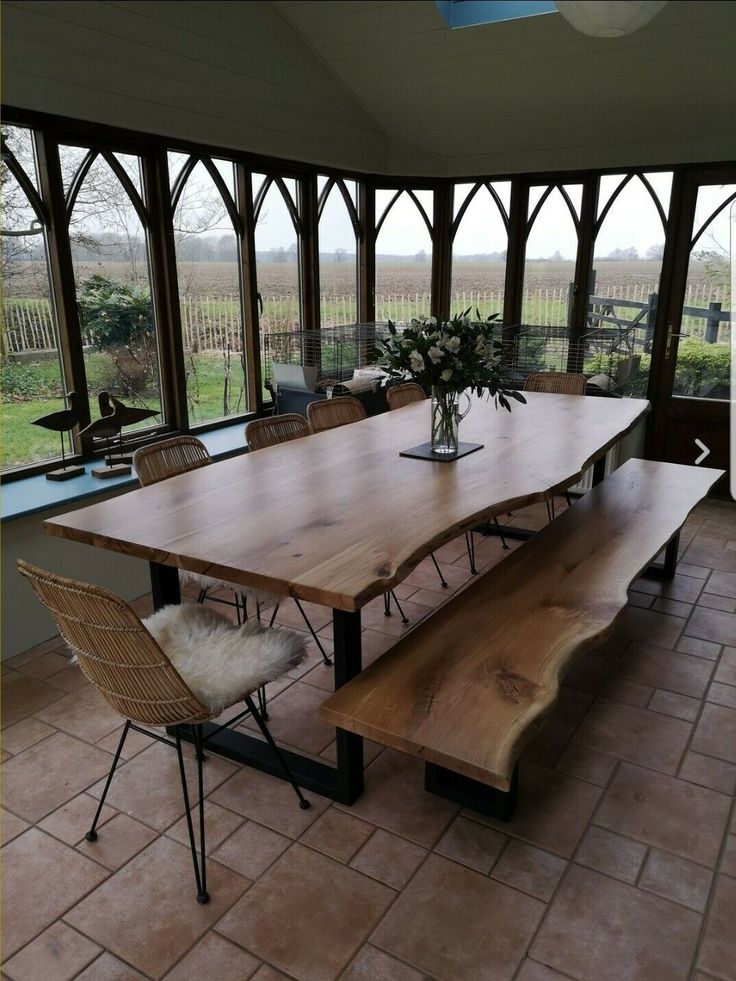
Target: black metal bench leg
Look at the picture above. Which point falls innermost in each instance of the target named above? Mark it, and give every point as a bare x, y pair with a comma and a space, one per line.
670, 557
471, 793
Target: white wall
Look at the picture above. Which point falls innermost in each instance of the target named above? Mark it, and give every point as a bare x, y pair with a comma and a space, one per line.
230, 74
24, 621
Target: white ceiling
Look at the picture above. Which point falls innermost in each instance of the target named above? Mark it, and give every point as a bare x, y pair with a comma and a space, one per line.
530, 94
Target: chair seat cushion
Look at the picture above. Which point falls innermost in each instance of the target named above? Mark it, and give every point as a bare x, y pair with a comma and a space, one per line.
219, 661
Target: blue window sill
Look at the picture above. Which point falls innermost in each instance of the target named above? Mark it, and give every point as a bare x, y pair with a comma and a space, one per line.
32, 495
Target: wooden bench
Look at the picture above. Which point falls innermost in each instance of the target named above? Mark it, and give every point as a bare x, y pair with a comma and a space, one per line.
471, 685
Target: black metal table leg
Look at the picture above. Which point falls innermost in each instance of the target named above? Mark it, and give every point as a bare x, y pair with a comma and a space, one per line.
346, 632
599, 470
164, 585
343, 783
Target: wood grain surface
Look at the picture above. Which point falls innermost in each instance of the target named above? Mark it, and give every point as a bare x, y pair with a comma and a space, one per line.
338, 517
470, 686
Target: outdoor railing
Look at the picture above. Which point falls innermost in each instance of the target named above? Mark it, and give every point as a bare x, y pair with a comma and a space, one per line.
213, 323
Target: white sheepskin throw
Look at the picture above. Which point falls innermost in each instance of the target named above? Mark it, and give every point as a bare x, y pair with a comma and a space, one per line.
219, 661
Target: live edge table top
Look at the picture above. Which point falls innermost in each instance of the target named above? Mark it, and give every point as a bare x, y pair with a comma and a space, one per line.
338, 517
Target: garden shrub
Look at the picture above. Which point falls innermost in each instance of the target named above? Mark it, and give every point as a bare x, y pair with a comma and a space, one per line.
114, 314
117, 318
703, 371
26, 381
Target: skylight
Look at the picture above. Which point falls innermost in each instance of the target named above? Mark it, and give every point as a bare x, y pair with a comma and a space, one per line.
467, 13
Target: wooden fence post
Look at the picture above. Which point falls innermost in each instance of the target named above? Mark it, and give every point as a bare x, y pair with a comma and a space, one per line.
712, 322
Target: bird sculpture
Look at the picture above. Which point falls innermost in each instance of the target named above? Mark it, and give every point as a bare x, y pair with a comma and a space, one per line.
63, 422
107, 427
128, 413
127, 416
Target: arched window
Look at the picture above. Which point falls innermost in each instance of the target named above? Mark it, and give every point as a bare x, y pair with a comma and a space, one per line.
338, 251
702, 369
278, 230
32, 375
208, 266
480, 232
627, 261
553, 218
403, 254
108, 230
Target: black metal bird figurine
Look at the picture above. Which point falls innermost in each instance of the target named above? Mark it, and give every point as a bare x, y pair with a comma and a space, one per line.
63, 422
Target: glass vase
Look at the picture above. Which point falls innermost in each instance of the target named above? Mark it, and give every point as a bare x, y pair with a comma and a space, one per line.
446, 416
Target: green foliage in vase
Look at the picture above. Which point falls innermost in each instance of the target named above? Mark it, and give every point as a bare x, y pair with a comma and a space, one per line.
456, 355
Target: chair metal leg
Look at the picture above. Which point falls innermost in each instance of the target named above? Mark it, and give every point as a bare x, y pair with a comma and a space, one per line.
202, 895
568, 499
387, 597
303, 802
198, 746
201, 595
310, 628
443, 581
262, 701
91, 835
470, 543
504, 543
273, 615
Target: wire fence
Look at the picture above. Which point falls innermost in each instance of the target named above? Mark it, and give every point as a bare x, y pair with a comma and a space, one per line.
213, 323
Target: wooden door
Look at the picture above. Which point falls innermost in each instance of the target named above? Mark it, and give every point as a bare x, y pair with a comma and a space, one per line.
690, 378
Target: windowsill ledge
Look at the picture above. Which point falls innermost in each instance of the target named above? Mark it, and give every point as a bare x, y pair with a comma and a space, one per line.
32, 495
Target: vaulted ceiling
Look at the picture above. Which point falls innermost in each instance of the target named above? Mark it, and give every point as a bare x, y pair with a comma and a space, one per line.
534, 93
383, 86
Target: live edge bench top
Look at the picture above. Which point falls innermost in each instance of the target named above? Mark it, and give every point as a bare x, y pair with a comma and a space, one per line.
470, 686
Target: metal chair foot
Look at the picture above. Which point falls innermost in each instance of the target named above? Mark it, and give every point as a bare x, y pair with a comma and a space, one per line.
304, 804
203, 898
91, 836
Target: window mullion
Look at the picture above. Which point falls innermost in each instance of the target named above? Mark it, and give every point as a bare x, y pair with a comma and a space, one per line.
367, 252
63, 287
249, 287
165, 289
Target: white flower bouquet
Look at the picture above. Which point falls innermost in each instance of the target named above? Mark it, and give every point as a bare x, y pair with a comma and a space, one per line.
453, 356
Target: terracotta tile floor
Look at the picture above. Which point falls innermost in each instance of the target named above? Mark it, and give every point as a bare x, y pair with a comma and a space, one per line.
619, 864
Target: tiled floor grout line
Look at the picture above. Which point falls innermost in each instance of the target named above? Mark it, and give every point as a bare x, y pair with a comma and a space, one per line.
711, 892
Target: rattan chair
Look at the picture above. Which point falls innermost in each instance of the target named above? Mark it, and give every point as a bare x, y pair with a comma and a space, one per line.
400, 395
172, 457
271, 431
275, 429
331, 413
556, 383
148, 674
406, 394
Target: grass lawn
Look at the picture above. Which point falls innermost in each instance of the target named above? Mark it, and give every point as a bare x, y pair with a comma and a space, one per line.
31, 390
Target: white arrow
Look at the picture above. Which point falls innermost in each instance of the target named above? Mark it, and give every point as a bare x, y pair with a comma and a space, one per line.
704, 454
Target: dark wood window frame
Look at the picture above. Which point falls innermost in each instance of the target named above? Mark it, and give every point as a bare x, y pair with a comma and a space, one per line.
50, 130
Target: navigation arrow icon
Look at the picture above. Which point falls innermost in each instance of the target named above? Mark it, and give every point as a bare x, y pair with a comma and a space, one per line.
704, 454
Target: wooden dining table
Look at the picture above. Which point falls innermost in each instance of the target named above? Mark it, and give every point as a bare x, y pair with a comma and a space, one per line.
338, 517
